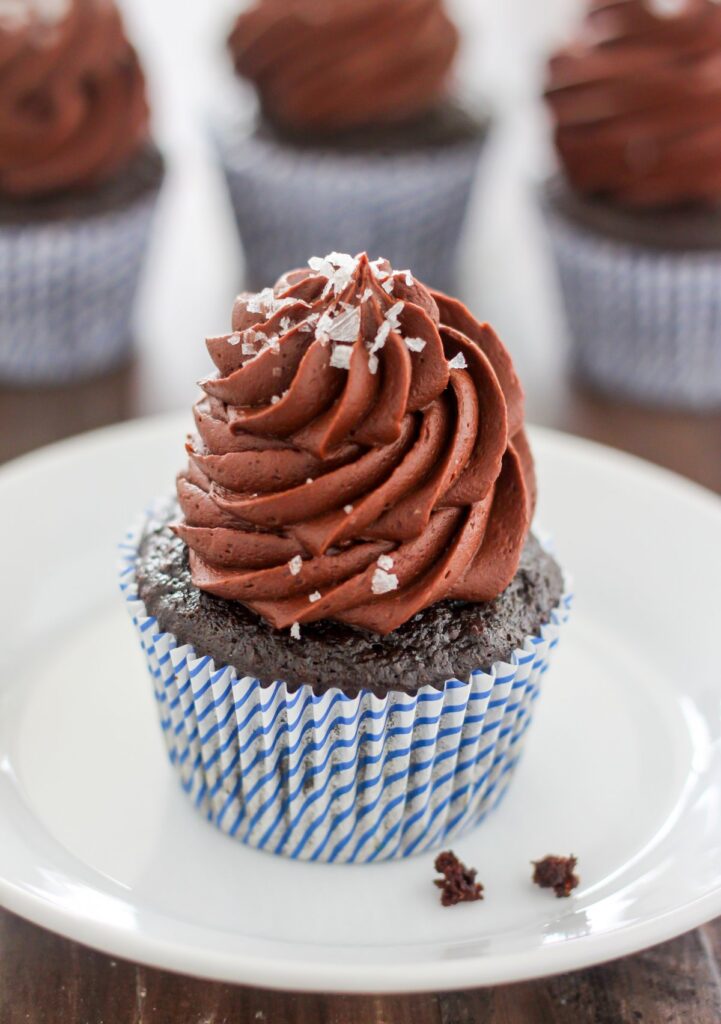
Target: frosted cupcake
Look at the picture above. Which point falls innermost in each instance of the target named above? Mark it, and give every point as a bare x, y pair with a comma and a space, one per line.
79, 179
345, 615
635, 216
359, 143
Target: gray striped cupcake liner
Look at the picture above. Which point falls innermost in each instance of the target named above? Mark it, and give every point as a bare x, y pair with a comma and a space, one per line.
292, 203
66, 293
644, 324
333, 778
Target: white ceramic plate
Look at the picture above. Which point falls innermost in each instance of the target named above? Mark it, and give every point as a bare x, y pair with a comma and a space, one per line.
623, 765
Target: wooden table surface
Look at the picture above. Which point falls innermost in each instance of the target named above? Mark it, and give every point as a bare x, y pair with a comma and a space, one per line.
45, 979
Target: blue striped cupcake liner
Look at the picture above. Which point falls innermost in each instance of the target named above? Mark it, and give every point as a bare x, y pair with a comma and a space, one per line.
291, 203
332, 778
644, 324
66, 292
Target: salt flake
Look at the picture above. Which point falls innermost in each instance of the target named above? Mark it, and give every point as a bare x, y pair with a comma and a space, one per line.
458, 362
233, 339
393, 313
415, 344
385, 562
315, 596
340, 356
295, 631
383, 582
347, 509
295, 565
346, 325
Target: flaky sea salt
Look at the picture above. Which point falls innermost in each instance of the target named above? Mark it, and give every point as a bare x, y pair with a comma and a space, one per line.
383, 582
295, 631
458, 362
387, 286
274, 399
385, 562
315, 596
340, 357
346, 325
381, 336
295, 565
367, 294
347, 509
338, 267
266, 302
261, 301
415, 344
233, 339
393, 313
380, 273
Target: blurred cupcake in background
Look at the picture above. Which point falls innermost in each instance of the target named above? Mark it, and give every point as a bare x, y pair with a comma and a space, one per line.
79, 178
635, 216
359, 144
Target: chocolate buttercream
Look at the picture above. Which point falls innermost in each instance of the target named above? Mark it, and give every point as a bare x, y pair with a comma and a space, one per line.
325, 66
72, 97
636, 101
360, 453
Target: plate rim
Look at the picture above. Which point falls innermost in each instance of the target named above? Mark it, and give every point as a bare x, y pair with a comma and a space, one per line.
309, 975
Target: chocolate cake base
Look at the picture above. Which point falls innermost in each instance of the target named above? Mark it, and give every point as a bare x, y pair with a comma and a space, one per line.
693, 228
447, 124
448, 640
143, 174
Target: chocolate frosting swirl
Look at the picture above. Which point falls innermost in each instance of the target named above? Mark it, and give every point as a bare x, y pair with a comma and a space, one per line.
636, 101
325, 66
360, 453
72, 98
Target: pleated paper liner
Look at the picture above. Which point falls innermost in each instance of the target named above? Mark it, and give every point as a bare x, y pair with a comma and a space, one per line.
331, 777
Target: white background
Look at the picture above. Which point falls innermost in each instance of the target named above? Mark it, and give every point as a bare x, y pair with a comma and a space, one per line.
195, 267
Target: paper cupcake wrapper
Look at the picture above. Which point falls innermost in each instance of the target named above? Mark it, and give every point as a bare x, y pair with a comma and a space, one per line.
66, 293
330, 777
644, 324
292, 203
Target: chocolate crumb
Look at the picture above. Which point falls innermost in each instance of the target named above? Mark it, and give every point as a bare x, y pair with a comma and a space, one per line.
556, 873
459, 883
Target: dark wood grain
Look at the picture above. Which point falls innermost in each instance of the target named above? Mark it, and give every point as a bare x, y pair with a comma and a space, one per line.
45, 979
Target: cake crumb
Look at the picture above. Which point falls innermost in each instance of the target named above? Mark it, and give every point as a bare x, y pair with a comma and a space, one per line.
556, 873
459, 883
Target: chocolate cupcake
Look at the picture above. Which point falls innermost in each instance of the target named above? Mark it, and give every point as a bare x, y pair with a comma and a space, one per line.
79, 178
359, 143
345, 615
635, 217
